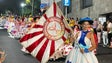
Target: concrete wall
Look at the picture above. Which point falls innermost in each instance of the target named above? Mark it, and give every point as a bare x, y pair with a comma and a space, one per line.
99, 7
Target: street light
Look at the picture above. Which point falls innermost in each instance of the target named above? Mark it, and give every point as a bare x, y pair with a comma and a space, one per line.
23, 5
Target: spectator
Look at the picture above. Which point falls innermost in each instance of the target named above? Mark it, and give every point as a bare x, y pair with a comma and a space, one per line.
109, 31
104, 34
99, 30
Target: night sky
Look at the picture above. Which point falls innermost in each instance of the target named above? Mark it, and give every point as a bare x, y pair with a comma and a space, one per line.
12, 5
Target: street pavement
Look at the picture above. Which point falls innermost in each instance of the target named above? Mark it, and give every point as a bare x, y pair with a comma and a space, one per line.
15, 55
13, 50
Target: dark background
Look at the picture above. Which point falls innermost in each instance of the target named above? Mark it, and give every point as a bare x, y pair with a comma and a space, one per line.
12, 5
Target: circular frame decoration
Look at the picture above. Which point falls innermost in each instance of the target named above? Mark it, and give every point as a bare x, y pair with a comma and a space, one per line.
54, 28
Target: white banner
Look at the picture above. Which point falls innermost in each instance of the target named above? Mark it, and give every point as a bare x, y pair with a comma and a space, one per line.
49, 1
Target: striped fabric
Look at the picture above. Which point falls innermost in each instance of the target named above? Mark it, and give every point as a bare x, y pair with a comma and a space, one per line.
47, 36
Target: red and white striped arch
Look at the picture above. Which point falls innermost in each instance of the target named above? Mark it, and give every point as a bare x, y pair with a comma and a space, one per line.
36, 41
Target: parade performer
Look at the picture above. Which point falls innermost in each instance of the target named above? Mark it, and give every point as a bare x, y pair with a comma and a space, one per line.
22, 27
84, 45
72, 23
6, 25
11, 26
76, 29
17, 30
34, 21
90, 28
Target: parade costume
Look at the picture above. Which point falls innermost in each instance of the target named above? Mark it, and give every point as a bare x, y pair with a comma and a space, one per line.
17, 30
76, 29
82, 42
6, 25
76, 56
10, 29
22, 28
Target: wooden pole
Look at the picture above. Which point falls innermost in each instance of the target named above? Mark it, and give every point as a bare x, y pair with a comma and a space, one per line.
32, 7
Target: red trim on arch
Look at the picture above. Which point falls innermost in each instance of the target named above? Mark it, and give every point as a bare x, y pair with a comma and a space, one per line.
42, 50
29, 36
62, 17
45, 16
52, 48
64, 39
38, 26
68, 30
55, 9
35, 44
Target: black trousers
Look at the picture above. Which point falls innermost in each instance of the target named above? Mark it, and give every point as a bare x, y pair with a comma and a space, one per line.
109, 38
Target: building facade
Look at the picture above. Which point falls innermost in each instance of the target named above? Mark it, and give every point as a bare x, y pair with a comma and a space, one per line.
91, 8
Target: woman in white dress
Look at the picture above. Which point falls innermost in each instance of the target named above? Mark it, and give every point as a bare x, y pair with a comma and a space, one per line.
84, 45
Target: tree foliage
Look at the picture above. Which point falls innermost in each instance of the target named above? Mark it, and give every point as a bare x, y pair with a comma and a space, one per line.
28, 7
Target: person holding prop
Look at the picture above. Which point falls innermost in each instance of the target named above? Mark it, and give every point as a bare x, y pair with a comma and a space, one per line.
84, 44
